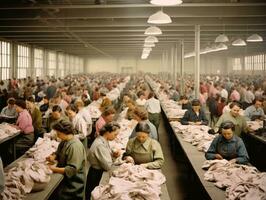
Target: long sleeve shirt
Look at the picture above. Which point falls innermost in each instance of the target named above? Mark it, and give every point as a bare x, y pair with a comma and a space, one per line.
24, 122
191, 116
239, 122
150, 146
153, 105
80, 125
9, 112
100, 156
228, 149
252, 111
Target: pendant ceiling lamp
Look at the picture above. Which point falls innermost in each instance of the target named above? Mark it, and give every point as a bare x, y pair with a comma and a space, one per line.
153, 30
146, 49
159, 18
239, 42
221, 47
149, 45
166, 2
151, 39
254, 38
221, 38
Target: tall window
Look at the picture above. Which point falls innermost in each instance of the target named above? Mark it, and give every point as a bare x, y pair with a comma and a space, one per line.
248, 63
237, 64
5, 60
38, 62
67, 68
61, 65
81, 67
71, 64
51, 64
23, 61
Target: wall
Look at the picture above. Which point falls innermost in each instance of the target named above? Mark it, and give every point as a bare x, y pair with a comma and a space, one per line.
209, 64
120, 65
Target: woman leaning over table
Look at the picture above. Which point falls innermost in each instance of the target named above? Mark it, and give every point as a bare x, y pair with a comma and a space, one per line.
71, 157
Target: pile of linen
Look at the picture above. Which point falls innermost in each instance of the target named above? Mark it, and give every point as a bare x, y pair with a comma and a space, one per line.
6, 130
42, 149
240, 181
194, 134
130, 182
22, 178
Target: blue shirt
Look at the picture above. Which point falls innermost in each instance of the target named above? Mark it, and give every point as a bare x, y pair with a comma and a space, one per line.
228, 149
252, 111
191, 116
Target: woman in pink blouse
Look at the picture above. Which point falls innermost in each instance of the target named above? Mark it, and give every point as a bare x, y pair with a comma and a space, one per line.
24, 124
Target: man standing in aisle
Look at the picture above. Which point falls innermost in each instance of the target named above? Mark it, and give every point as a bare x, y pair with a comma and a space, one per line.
154, 109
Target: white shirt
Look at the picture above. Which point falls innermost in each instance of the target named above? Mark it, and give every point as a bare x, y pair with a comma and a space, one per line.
85, 113
80, 125
141, 102
153, 105
224, 93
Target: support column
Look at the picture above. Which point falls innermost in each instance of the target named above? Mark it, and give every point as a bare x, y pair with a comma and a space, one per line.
182, 60
197, 60
173, 63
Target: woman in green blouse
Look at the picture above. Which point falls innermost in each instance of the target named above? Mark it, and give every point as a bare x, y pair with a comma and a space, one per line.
144, 150
71, 157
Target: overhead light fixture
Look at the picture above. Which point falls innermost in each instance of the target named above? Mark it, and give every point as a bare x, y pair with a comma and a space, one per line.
221, 38
239, 42
153, 30
149, 45
221, 47
147, 49
166, 2
159, 18
151, 39
254, 38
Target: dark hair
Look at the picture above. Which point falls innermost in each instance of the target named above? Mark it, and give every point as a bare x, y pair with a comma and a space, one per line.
109, 127
11, 101
108, 111
56, 108
64, 126
151, 94
21, 103
235, 103
30, 99
72, 107
257, 99
195, 102
227, 125
143, 127
183, 97
140, 93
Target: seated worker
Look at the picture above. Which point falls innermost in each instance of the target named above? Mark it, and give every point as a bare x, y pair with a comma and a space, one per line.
10, 109
184, 102
255, 111
55, 116
194, 116
71, 157
144, 150
228, 146
45, 105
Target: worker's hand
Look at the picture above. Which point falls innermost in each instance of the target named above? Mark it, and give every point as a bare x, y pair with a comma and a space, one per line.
191, 123
51, 158
197, 123
116, 153
232, 161
52, 167
144, 165
218, 156
129, 159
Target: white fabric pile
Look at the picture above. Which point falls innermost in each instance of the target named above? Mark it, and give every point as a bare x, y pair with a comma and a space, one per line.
172, 109
6, 130
93, 108
255, 125
21, 179
194, 134
42, 149
240, 181
130, 182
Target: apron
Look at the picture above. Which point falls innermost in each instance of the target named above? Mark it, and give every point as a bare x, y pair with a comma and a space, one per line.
222, 150
144, 157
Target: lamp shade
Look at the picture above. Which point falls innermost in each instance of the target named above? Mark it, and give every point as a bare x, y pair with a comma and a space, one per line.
149, 45
153, 30
166, 2
239, 42
159, 18
221, 47
254, 38
221, 38
151, 39
147, 49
